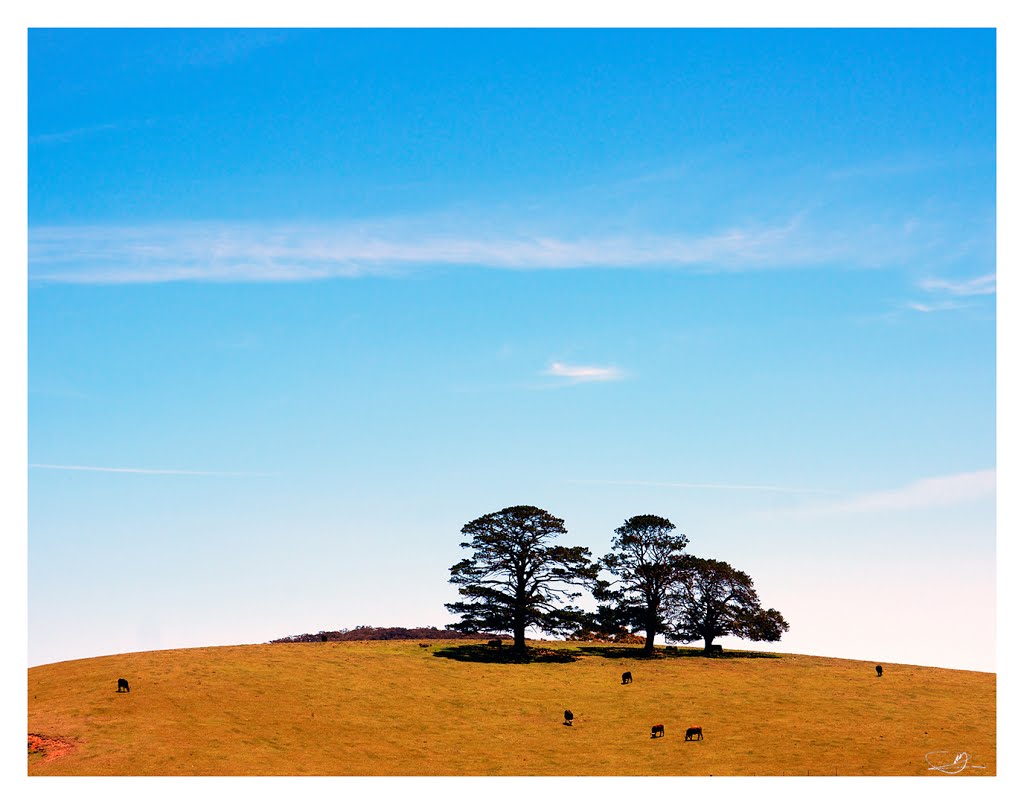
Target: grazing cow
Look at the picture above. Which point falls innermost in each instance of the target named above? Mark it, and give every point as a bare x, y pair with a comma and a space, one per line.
424, 644
627, 677
122, 685
878, 669
657, 731
494, 643
695, 732
568, 718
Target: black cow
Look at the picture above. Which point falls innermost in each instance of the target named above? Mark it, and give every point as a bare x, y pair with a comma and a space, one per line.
695, 732
657, 731
627, 677
494, 643
878, 669
122, 685
568, 718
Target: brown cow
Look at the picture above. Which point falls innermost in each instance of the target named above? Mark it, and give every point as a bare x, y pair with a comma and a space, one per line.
695, 732
657, 731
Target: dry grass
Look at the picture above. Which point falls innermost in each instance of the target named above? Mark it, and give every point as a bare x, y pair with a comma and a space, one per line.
393, 708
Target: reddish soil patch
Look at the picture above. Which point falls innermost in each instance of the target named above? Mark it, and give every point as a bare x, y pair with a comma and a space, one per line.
49, 747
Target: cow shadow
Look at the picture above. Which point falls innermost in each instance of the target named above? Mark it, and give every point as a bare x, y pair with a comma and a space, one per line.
488, 655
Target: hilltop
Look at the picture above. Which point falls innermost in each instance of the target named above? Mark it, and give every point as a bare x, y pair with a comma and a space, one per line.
393, 708
369, 633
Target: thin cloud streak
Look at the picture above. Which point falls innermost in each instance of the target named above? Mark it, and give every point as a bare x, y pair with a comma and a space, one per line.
209, 48
70, 134
979, 286
935, 307
722, 486
212, 252
138, 471
926, 493
896, 166
584, 373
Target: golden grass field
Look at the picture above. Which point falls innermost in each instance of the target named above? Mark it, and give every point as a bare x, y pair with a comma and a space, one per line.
395, 709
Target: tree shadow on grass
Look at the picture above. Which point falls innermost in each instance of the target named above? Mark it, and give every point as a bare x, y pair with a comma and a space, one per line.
636, 652
505, 655
489, 655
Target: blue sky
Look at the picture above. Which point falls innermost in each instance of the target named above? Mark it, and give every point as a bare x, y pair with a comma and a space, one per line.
323, 297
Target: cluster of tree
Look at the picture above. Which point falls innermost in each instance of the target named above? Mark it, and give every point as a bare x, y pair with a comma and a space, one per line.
516, 579
368, 632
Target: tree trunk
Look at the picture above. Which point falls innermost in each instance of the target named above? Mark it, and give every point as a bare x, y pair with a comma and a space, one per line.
519, 632
519, 613
651, 629
707, 644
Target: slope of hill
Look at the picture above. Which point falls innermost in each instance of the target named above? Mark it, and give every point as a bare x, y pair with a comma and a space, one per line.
395, 708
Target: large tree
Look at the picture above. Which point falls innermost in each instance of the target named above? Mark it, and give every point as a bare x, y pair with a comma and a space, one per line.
713, 599
647, 559
516, 578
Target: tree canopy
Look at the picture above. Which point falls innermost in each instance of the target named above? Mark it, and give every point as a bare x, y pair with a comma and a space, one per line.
647, 560
713, 599
516, 578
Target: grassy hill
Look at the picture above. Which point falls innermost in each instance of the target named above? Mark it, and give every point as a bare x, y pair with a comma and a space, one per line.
395, 708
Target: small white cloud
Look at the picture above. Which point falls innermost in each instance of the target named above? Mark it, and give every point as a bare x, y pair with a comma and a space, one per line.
584, 373
979, 286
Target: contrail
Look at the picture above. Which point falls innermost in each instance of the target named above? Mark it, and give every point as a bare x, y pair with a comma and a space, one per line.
136, 471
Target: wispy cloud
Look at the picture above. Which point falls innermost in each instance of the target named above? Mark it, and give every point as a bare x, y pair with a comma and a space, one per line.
930, 492
909, 163
138, 471
82, 132
978, 286
934, 307
891, 166
577, 374
209, 47
951, 291
206, 48
232, 252
70, 134
719, 486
